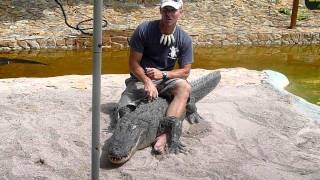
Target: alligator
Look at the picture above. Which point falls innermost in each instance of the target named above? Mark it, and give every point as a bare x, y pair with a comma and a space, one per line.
5, 61
138, 129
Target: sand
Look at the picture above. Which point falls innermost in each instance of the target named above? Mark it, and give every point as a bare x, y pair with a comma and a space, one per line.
251, 130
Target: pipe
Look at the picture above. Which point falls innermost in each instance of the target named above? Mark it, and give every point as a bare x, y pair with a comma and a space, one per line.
96, 88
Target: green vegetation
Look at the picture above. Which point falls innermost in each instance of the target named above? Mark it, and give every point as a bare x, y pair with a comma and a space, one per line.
285, 11
278, 1
302, 14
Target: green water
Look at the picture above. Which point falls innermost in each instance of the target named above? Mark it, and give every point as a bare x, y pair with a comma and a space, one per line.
301, 64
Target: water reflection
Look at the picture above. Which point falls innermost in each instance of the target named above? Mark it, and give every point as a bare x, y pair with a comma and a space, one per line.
6, 61
301, 64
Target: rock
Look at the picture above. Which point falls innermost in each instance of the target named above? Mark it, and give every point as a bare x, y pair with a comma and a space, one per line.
33, 44
268, 23
116, 45
8, 43
23, 44
51, 43
70, 42
42, 42
60, 43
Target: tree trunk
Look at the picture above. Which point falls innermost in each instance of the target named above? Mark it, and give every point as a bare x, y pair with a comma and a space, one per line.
294, 14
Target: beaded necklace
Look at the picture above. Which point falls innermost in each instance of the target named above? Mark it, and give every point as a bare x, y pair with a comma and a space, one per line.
169, 39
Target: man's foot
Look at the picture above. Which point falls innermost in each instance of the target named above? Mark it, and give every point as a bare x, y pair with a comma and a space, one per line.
160, 145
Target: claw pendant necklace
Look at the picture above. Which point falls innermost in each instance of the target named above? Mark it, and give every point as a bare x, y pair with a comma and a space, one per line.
167, 40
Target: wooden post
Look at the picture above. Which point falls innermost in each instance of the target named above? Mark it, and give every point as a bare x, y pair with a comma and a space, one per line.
294, 14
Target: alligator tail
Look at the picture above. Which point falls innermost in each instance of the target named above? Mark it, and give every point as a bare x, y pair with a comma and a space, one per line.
204, 85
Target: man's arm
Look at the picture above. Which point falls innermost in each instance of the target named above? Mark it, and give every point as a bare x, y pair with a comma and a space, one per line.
135, 67
183, 72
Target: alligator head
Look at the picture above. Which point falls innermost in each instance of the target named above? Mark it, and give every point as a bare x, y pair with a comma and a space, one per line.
130, 135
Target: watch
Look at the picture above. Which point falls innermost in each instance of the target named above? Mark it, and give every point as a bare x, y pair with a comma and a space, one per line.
165, 75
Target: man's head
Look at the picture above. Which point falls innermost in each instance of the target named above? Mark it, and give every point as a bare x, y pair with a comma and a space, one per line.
170, 11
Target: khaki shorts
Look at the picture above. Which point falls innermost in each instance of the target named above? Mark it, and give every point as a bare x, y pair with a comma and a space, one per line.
134, 92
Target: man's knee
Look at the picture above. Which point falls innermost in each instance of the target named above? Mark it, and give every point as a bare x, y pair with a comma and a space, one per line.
182, 88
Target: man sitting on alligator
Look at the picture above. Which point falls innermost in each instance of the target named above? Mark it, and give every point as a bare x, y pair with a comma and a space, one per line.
139, 128
155, 48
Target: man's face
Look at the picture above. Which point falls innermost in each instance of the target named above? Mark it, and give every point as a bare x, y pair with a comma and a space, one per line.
170, 15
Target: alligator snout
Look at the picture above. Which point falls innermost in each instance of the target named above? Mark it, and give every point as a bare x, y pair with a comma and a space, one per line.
117, 159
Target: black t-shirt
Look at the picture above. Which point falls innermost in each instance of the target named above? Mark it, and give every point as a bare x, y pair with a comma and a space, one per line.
146, 40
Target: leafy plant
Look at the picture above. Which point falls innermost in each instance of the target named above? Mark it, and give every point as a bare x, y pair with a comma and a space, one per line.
302, 15
285, 11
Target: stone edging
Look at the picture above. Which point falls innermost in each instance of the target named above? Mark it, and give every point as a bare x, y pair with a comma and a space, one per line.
118, 39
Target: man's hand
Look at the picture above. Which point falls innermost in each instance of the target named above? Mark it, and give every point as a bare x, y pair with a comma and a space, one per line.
151, 90
153, 73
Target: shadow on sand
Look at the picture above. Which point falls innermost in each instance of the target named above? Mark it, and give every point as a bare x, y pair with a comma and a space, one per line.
111, 110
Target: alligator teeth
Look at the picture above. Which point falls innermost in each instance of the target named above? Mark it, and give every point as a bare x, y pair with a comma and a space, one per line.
119, 160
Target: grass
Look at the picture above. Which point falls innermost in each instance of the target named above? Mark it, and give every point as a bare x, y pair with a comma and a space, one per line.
302, 14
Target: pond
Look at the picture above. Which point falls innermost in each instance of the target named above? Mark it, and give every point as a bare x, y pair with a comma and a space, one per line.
301, 64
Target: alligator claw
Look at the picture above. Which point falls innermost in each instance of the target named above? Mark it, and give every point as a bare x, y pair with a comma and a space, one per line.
192, 114
194, 118
177, 147
125, 110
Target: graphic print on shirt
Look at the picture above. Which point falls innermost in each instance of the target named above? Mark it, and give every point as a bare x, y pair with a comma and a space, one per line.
173, 52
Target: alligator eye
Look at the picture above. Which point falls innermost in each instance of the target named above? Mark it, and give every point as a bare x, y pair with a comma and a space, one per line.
133, 127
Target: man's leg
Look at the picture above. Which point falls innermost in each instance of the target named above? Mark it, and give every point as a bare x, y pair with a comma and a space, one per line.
181, 93
176, 108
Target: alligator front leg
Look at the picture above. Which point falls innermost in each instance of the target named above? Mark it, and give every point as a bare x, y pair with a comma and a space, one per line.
192, 115
125, 110
174, 127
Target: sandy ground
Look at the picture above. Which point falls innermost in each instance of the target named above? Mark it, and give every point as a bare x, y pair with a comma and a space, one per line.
251, 130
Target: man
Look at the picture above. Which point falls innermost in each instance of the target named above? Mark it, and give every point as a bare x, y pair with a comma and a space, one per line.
155, 48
